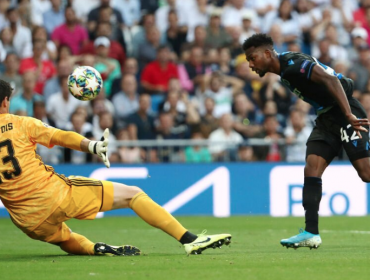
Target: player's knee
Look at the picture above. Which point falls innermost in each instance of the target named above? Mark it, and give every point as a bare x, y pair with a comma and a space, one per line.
312, 171
365, 176
135, 190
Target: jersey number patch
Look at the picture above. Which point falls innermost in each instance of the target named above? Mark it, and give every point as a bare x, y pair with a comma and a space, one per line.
10, 158
344, 136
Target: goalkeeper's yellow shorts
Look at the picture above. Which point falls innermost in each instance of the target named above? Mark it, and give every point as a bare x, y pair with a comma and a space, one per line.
84, 200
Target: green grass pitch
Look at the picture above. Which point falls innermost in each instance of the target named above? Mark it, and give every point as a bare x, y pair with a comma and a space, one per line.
255, 252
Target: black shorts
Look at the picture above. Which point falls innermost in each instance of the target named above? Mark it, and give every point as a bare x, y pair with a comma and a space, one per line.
332, 132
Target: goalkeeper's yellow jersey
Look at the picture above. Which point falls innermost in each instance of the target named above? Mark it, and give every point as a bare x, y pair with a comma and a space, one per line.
29, 189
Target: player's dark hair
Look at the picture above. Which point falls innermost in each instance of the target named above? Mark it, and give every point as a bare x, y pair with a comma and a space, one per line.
5, 90
258, 40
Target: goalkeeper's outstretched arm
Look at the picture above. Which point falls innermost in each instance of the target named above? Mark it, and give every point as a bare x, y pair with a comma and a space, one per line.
75, 141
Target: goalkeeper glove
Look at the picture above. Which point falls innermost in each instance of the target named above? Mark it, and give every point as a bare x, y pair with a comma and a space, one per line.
100, 148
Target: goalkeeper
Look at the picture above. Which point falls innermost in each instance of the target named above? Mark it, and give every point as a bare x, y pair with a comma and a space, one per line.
39, 200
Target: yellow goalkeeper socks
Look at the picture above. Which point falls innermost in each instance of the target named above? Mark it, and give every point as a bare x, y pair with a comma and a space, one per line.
78, 245
156, 215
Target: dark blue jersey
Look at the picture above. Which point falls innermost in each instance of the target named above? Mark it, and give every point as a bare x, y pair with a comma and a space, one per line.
295, 72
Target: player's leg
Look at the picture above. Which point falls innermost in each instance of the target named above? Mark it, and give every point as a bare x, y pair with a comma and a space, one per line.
362, 167
319, 155
156, 216
358, 149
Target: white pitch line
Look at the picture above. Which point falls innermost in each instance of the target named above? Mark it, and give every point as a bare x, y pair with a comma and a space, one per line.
345, 231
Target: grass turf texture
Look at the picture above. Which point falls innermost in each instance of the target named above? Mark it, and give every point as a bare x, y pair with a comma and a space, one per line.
255, 252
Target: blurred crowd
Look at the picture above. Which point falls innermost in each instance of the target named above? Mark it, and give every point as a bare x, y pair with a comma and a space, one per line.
175, 70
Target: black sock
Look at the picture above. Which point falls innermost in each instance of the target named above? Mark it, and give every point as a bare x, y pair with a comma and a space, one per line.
188, 237
312, 192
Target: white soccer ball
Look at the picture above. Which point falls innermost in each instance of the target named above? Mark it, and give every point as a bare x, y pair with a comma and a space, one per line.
85, 83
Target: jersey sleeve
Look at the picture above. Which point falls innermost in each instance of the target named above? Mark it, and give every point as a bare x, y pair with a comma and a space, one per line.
40, 132
301, 67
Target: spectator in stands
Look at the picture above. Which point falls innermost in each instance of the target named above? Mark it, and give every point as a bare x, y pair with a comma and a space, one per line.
178, 110
191, 73
221, 89
245, 153
24, 100
200, 36
105, 15
243, 72
129, 9
54, 16
263, 7
324, 52
78, 124
70, 33
247, 26
61, 105
22, 39
269, 132
217, 36
167, 128
224, 140
337, 51
108, 67
149, 5
279, 41
234, 45
139, 33
82, 10
39, 112
130, 67
11, 72
224, 63
197, 15
6, 38
44, 69
4, 5
50, 52
245, 116
175, 34
116, 51
286, 18
127, 154
273, 89
163, 18
296, 135
197, 154
156, 75
141, 124
64, 69
38, 8
99, 105
359, 71
167, 131
126, 102
233, 14
208, 122
24, 11
50, 156
365, 101
148, 50
359, 38
114, 16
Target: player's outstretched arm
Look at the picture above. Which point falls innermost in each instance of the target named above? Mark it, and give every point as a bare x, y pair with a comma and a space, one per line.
320, 76
75, 141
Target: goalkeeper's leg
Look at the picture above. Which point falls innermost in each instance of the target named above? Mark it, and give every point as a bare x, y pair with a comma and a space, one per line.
157, 216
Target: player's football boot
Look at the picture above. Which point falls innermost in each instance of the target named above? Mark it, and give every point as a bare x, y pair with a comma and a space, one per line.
204, 242
303, 239
108, 250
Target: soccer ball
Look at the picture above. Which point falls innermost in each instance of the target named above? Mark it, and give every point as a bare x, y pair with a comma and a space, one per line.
85, 83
